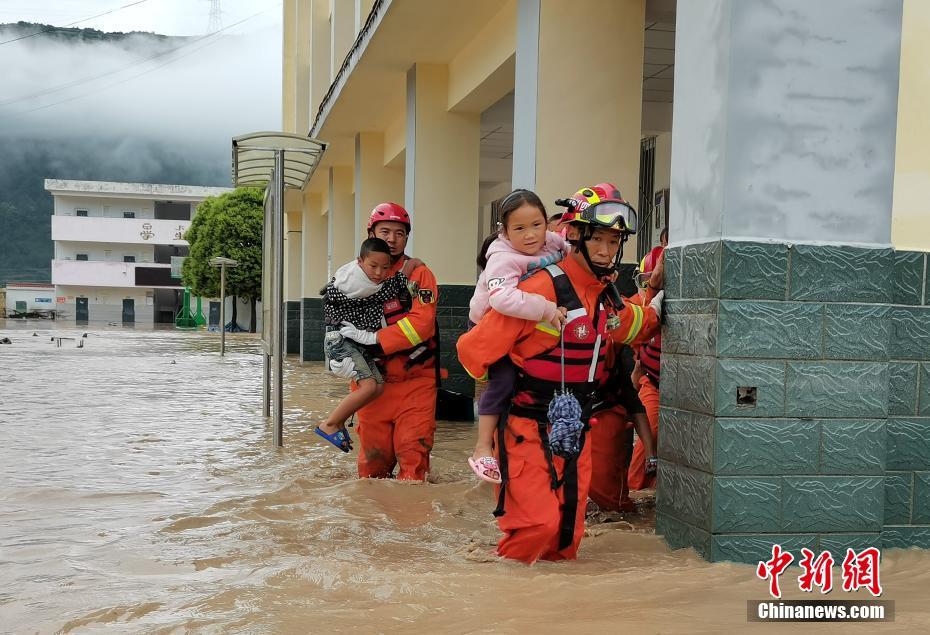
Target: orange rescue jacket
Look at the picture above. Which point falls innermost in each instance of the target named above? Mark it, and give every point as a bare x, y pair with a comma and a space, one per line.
497, 335
410, 333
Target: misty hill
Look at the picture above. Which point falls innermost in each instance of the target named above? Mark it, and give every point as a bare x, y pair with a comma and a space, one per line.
12, 30
87, 105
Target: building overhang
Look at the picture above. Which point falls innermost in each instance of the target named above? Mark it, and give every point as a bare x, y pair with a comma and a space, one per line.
369, 91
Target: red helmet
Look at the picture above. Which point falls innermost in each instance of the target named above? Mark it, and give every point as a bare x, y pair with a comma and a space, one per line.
611, 211
389, 212
648, 263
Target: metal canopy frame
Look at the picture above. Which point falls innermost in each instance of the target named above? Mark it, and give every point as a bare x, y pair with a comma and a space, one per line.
275, 161
254, 156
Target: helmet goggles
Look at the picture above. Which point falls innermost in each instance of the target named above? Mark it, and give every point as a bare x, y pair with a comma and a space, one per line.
610, 215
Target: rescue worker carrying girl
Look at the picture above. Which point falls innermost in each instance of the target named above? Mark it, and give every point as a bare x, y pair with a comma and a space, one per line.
541, 502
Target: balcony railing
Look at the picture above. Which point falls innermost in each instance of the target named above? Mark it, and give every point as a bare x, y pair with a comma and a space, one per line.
138, 231
91, 273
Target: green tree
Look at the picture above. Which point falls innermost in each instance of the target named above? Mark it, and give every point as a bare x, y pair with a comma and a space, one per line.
230, 226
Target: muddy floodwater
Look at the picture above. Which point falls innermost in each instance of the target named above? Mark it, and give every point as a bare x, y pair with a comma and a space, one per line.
140, 493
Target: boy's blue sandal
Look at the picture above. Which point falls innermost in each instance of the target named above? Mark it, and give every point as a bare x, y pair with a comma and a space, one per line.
340, 438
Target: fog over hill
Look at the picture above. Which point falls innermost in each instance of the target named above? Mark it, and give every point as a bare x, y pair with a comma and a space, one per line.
82, 104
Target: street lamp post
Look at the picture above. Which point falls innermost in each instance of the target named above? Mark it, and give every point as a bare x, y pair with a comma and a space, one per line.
222, 263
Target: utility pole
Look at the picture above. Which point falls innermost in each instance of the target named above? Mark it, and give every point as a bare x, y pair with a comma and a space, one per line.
222, 263
216, 17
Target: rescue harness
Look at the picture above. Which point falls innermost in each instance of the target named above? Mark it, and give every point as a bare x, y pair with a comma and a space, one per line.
580, 355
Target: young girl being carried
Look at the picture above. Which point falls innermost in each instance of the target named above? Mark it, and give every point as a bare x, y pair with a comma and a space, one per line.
521, 246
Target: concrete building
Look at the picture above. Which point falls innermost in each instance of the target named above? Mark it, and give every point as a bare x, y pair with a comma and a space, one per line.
794, 182
20, 298
118, 248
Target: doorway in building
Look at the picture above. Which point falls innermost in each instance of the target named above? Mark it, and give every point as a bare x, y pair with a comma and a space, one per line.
647, 180
167, 304
80, 310
496, 162
129, 311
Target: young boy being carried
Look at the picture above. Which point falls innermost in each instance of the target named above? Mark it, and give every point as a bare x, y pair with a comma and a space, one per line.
355, 297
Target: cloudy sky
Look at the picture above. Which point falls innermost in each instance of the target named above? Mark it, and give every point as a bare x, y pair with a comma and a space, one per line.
197, 92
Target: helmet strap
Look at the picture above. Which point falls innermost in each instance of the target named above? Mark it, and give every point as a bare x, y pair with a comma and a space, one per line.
581, 246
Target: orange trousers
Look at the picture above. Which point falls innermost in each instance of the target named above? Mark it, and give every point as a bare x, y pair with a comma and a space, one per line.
532, 517
397, 429
649, 396
609, 459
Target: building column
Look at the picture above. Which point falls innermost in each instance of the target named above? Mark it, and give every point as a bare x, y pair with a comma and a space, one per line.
374, 182
342, 34
795, 336
578, 103
910, 227
314, 239
320, 54
293, 221
441, 184
362, 9
441, 192
343, 245
303, 27
288, 59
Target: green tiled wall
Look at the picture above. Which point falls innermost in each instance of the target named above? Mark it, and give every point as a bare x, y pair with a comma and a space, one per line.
834, 449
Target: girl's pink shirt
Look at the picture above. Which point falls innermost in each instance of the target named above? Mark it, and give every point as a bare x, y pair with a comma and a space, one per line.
497, 285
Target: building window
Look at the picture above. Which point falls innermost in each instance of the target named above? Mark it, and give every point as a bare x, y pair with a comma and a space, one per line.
129, 258
128, 214
80, 257
80, 212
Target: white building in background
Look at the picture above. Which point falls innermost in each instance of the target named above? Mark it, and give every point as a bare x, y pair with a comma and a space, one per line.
115, 244
29, 297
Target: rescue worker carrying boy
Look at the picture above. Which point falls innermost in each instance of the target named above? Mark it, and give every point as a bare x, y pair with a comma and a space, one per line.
397, 428
542, 500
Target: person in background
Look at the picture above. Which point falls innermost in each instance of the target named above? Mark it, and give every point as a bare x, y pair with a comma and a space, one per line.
643, 463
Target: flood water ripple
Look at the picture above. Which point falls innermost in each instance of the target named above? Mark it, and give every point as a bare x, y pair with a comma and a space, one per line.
140, 492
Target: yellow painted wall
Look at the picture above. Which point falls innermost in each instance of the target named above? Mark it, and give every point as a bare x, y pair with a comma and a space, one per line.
375, 183
482, 72
314, 245
288, 61
910, 223
590, 99
342, 207
445, 200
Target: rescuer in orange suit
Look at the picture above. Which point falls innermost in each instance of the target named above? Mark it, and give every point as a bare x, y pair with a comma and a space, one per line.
541, 502
642, 470
617, 470
397, 428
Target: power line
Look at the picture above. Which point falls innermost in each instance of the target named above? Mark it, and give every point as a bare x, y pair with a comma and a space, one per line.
55, 28
119, 70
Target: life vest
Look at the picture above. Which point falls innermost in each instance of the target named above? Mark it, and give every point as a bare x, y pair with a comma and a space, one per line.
649, 355
582, 349
395, 310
